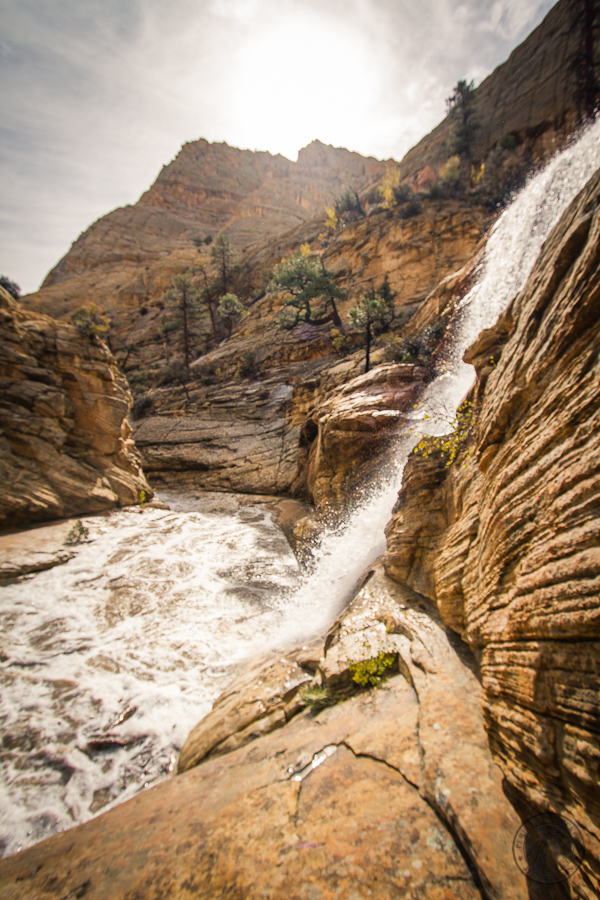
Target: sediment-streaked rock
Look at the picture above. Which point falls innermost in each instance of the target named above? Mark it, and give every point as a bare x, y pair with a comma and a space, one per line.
507, 542
65, 445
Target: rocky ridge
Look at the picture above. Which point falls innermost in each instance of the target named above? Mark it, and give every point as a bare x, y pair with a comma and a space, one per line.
127, 257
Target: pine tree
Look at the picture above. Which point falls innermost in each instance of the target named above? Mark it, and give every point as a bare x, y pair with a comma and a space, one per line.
461, 107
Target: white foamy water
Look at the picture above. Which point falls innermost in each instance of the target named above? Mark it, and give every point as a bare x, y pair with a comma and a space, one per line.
108, 661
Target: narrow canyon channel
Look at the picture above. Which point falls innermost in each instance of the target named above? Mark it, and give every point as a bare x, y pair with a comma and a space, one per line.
109, 660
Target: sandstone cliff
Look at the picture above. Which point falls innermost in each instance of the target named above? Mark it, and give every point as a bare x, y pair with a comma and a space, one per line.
126, 257
65, 445
506, 543
538, 96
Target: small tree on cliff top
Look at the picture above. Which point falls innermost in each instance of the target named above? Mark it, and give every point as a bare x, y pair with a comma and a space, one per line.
11, 286
461, 107
310, 292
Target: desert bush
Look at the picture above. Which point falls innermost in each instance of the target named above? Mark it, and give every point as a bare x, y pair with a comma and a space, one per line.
247, 367
372, 672
77, 534
11, 286
89, 321
402, 192
460, 429
142, 406
339, 341
410, 209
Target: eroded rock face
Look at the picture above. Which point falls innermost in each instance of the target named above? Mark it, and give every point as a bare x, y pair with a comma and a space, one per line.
506, 543
65, 445
353, 430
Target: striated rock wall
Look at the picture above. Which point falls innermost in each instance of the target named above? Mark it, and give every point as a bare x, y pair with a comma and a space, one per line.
507, 543
65, 445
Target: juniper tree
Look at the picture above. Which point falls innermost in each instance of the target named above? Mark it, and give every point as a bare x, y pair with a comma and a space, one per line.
230, 310
461, 106
184, 294
311, 295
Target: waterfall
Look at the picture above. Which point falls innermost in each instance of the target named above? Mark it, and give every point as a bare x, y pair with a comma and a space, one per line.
510, 253
109, 660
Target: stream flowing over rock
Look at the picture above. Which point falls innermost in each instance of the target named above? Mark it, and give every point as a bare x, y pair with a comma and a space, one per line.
322, 666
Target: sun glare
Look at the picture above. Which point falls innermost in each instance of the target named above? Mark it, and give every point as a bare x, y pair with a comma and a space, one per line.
302, 79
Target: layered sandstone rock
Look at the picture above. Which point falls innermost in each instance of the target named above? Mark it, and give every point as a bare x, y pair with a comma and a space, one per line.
506, 543
235, 435
351, 433
65, 444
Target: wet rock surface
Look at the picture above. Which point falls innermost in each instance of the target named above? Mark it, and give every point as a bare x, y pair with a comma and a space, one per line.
393, 787
506, 543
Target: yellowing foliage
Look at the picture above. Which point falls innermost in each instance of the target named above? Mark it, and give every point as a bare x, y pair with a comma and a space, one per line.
332, 220
305, 249
450, 171
390, 180
477, 175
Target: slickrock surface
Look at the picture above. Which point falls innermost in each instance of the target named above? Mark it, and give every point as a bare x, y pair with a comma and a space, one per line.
507, 543
391, 791
65, 445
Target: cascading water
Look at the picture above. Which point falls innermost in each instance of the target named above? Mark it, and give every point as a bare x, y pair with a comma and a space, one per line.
109, 660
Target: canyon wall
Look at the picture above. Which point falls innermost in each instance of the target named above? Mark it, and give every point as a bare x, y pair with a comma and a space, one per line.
538, 96
505, 541
65, 443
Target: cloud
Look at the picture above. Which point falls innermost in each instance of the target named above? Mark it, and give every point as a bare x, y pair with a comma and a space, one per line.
99, 94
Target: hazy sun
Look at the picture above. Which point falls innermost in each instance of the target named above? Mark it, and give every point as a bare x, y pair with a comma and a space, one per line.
303, 78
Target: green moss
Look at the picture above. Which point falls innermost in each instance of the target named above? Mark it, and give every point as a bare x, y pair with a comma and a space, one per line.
372, 672
316, 697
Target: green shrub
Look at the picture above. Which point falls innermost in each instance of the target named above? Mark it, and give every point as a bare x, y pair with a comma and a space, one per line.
372, 672
77, 534
402, 192
247, 367
339, 341
89, 321
507, 142
11, 286
142, 406
410, 209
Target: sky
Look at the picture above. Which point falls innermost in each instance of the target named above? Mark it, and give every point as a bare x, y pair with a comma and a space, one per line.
97, 95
